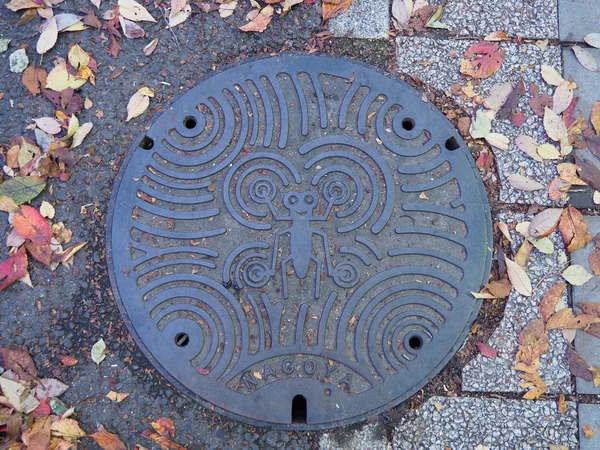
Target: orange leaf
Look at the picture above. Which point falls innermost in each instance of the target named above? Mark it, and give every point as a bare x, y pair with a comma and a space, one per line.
333, 9
535, 393
260, 22
574, 229
38, 436
163, 441
106, 440
595, 117
550, 300
40, 252
67, 360
164, 426
13, 268
565, 319
533, 342
30, 224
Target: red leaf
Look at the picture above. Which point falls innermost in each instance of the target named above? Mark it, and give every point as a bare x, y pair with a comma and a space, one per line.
13, 268
42, 410
486, 350
67, 360
30, 224
518, 119
41, 253
569, 113
484, 48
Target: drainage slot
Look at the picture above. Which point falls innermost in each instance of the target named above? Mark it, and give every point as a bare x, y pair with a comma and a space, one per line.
299, 409
408, 124
452, 144
182, 339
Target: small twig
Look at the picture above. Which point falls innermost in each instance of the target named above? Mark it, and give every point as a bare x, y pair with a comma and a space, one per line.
162, 13
543, 278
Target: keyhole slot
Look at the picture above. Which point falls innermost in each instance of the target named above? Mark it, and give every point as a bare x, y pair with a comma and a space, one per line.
299, 409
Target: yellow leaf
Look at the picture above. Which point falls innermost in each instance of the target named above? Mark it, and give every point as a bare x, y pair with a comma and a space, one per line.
135, 12
73, 126
551, 76
78, 58
47, 210
68, 429
81, 133
146, 91
535, 393
117, 396
138, 103
60, 79
554, 126
548, 151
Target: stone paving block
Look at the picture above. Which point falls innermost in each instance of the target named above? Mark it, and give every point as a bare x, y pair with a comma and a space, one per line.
437, 61
587, 345
366, 19
589, 415
464, 423
578, 18
588, 83
534, 19
371, 436
484, 374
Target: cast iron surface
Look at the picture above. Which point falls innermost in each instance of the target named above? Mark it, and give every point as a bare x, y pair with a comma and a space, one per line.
299, 226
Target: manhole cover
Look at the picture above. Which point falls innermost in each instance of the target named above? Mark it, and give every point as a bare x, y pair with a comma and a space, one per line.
293, 242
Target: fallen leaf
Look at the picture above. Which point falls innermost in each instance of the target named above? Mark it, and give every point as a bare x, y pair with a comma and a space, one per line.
163, 441
568, 172
577, 275
499, 93
538, 102
7, 204
48, 387
594, 258
68, 429
535, 393
149, 49
554, 126
505, 231
164, 426
13, 268
588, 431
106, 440
521, 183
486, 350
81, 133
500, 288
333, 8
565, 319
544, 245
226, 9
434, 22
180, 12
18, 61
19, 361
528, 146
38, 436
498, 141
60, 79
551, 76
485, 65
595, 117
67, 360
496, 36
260, 22
563, 95
47, 210
98, 351
78, 57
16, 5
512, 101
533, 342
518, 277
48, 37
117, 396
131, 29
577, 365
585, 58
30, 224
34, 79
138, 103
558, 187
523, 254
561, 404
132, 10
574, 229
48, 125
401, 13
545, 222
592, 39
481, 125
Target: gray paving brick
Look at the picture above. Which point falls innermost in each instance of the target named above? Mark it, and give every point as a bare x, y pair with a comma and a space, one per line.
589, 415
465, 423
587, 345
366, 19
578, 18
588, 83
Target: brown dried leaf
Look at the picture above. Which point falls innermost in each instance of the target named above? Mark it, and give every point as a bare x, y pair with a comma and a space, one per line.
500, 288
106, 440
34, 79
535, 393
260, 22
523, 254
577, 365
38, 436
550, 300
19, 362
333, 9
595, 117
544, 223
533, 342
594, 258
574, 229
117, 396
561, 404
164, 426
521, 183
565, 319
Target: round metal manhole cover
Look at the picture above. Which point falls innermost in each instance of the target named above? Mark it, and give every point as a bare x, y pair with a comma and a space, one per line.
293, 242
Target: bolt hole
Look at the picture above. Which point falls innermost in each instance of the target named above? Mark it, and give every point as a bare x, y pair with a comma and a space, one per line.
415, 342
299, 409
408, 124
182, 339
452, 144
146, 143
190, 122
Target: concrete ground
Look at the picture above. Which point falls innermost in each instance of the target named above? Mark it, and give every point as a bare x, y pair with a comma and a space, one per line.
480, 406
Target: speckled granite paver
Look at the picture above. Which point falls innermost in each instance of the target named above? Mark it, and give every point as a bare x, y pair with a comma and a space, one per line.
534, 19
462, 423
366, 19
586, 344
437, 62
484, 374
